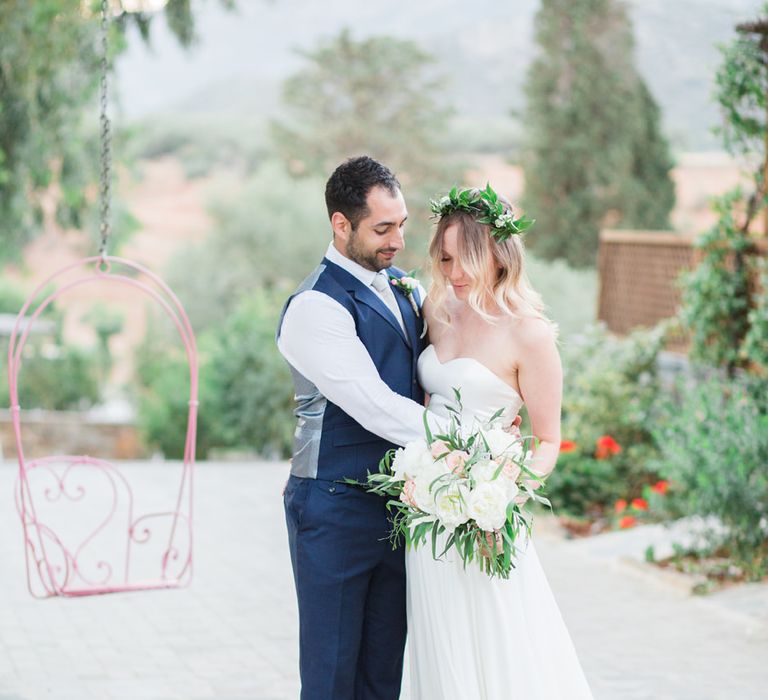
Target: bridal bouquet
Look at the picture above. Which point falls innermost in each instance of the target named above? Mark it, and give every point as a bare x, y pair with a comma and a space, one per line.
472, 485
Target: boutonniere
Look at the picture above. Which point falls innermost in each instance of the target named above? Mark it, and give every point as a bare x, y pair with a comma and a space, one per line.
407, 285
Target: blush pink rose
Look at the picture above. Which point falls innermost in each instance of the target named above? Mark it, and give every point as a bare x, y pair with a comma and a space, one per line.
511, 470
406, 495
439, 449
521, 498
456, 461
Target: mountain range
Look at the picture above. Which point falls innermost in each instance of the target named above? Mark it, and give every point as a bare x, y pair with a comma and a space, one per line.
482, 50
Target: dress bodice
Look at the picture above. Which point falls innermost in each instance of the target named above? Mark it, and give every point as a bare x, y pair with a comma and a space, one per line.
482, 391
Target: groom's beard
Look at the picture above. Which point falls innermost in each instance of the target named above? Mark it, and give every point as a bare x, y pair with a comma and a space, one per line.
369, 259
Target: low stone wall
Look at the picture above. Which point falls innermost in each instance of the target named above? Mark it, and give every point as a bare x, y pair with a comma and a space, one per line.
69, 433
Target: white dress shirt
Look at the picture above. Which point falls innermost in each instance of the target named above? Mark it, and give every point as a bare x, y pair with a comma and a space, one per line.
318, 338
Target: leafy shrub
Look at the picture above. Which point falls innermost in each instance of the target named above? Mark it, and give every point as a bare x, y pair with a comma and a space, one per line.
756, 341
713, 441
67, 378
246, 392
610, 389
53, 375
11, 297
582, 484
716, 294
252, 400
163, 393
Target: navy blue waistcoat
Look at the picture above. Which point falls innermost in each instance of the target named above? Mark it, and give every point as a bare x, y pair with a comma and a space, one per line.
329, 443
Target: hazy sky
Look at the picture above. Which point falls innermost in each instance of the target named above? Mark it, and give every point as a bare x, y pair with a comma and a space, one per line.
257, 41
259, 38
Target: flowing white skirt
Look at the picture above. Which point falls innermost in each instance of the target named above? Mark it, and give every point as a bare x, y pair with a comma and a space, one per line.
475, 638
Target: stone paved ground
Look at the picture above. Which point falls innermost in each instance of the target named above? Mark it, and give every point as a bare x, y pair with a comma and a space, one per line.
232, 635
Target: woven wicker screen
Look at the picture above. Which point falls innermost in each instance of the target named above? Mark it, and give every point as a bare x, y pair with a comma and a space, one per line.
638, 277
638, 273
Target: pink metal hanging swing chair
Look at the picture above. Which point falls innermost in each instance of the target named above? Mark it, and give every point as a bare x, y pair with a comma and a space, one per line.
79, 542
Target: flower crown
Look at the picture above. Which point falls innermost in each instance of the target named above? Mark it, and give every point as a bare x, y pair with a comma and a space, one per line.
485, 207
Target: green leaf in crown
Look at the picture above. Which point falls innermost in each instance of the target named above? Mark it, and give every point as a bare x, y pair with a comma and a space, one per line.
485, 207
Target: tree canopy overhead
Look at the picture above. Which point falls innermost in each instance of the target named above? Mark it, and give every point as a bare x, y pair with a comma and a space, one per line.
49, 71
378, 95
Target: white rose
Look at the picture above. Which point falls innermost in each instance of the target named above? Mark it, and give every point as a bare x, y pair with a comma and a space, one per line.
484, 470
512, 489
503, 444
488, 505
451, 504
410, 282
411, 459
424, 492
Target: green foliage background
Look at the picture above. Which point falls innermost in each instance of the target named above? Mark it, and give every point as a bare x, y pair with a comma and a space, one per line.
246, 394
49, 71
594, 151
713, 441
611, 387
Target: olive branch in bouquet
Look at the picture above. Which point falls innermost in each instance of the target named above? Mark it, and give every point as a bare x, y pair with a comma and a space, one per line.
494, 549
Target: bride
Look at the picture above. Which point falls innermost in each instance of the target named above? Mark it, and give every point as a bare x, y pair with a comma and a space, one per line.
472, 637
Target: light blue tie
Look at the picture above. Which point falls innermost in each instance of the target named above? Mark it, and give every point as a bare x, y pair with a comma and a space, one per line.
383, 286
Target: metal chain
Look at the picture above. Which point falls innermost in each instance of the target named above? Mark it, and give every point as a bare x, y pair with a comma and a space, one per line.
106, 137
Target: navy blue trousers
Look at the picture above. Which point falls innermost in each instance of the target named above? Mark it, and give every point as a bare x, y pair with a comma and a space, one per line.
350, 586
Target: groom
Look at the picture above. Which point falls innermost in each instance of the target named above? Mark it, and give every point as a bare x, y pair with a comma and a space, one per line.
352, 340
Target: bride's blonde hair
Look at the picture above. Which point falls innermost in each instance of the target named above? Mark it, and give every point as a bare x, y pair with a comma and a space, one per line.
507, 285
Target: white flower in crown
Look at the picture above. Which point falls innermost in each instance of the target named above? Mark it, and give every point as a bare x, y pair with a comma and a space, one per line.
504, 220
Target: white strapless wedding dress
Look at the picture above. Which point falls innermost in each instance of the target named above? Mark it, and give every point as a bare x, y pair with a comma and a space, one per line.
471, 637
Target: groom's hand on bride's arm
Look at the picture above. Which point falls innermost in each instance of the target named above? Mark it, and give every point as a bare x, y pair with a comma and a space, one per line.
514, 427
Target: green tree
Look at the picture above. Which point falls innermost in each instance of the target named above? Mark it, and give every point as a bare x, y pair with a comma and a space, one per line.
252, 391
712, 437
49, 72
246, 393
269, 234
378, 96
595, 154
716, 299
724, 300
647, 194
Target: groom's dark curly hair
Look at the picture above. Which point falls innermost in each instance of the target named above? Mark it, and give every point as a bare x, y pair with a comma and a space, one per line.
347, 189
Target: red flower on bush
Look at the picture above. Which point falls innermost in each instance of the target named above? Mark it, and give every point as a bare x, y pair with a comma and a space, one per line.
639, 504
627, 521
568, 446
620, 506
606, 446
660, 487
